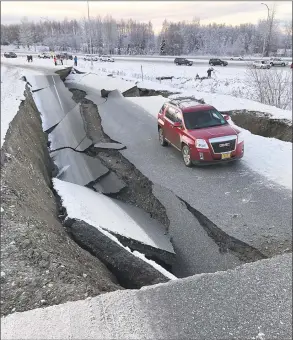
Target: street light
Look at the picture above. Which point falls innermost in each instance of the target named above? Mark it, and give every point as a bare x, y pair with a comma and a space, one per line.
90, 34
268, 20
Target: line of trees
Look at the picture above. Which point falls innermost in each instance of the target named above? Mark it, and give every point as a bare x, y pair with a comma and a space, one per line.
131, 37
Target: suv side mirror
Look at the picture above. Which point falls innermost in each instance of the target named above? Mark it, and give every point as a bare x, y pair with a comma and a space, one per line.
177, 124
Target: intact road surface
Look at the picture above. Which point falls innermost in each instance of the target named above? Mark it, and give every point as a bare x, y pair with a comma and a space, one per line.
242, 203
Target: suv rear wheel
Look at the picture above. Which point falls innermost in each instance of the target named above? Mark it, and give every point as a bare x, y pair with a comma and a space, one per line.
212, 64
162, 138
186, 156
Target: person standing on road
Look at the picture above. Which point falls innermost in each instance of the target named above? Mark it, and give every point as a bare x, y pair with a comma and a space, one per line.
55, 60
75, 61
61, 59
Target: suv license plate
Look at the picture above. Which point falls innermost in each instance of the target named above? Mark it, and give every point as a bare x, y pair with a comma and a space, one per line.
226, 155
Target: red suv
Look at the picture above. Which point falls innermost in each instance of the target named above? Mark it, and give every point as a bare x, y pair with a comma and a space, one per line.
200, 132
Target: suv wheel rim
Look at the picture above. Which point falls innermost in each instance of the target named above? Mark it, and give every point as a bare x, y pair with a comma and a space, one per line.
161, 136
186, 155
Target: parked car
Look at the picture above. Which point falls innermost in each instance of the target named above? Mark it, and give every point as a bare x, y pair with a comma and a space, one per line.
277, 62
88, 57
106, 58
236, 58
10, 55
183, 61
263, 64
216, 61
44, 56
200, 132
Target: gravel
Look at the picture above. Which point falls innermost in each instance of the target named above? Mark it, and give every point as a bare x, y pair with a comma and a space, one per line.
40, 264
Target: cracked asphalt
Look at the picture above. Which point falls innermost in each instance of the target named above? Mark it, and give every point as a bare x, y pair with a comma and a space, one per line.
242, 203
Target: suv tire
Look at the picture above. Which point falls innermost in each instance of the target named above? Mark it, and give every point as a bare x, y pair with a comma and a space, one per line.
186, 156
162, 138
212, 64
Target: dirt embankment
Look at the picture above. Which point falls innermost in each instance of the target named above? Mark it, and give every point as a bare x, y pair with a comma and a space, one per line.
262, 124
40, 264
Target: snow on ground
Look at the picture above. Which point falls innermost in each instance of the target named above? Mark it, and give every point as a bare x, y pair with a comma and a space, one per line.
48, 63
270, 157
227, 90
104, 82
12, 89
151, 104
81, 203
83, 209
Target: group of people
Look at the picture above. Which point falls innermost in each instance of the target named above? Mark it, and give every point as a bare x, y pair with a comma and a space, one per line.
209, 72
61, 60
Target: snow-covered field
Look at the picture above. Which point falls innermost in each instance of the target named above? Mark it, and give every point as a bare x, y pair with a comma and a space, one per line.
227, 90
12, 89
271, 158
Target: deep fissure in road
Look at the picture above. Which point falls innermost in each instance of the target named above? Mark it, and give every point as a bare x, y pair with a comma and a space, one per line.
138, 191
40, 265
226, 242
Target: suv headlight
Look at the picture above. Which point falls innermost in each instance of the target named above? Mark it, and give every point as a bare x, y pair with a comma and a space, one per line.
240, 137
201, 144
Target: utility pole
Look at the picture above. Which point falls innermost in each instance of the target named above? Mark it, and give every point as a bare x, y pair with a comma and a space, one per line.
90, 33
268, 22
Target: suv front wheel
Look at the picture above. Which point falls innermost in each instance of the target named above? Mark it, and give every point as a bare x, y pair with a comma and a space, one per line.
162, 138
186, 156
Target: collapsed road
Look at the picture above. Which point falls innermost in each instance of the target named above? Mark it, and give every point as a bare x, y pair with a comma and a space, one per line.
44, 267
243, 204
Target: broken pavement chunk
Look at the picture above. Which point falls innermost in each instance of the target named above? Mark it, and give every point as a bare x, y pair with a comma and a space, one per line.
70, 132
76, 167
53, 103
131, 271
115, 146
116, 217
110, 184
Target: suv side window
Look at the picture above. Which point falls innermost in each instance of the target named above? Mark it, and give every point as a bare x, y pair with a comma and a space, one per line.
170, 114
178, 117
163, 108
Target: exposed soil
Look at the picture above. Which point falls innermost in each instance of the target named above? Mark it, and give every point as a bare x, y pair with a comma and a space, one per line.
139, 188
258, 123
150, 92
64, 73
261, 124
40, 264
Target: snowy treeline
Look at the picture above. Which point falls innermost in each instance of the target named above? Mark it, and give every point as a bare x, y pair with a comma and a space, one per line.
131, 37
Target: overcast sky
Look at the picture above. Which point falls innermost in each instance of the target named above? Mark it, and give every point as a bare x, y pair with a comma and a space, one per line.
229, 12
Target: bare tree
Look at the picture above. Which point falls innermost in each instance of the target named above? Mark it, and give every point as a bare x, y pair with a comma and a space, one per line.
271, 87
288, 36
272, 26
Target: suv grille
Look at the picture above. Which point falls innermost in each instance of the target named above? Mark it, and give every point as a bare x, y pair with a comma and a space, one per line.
225, 146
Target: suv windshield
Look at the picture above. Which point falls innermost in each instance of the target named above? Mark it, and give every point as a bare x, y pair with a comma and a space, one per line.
203, 119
